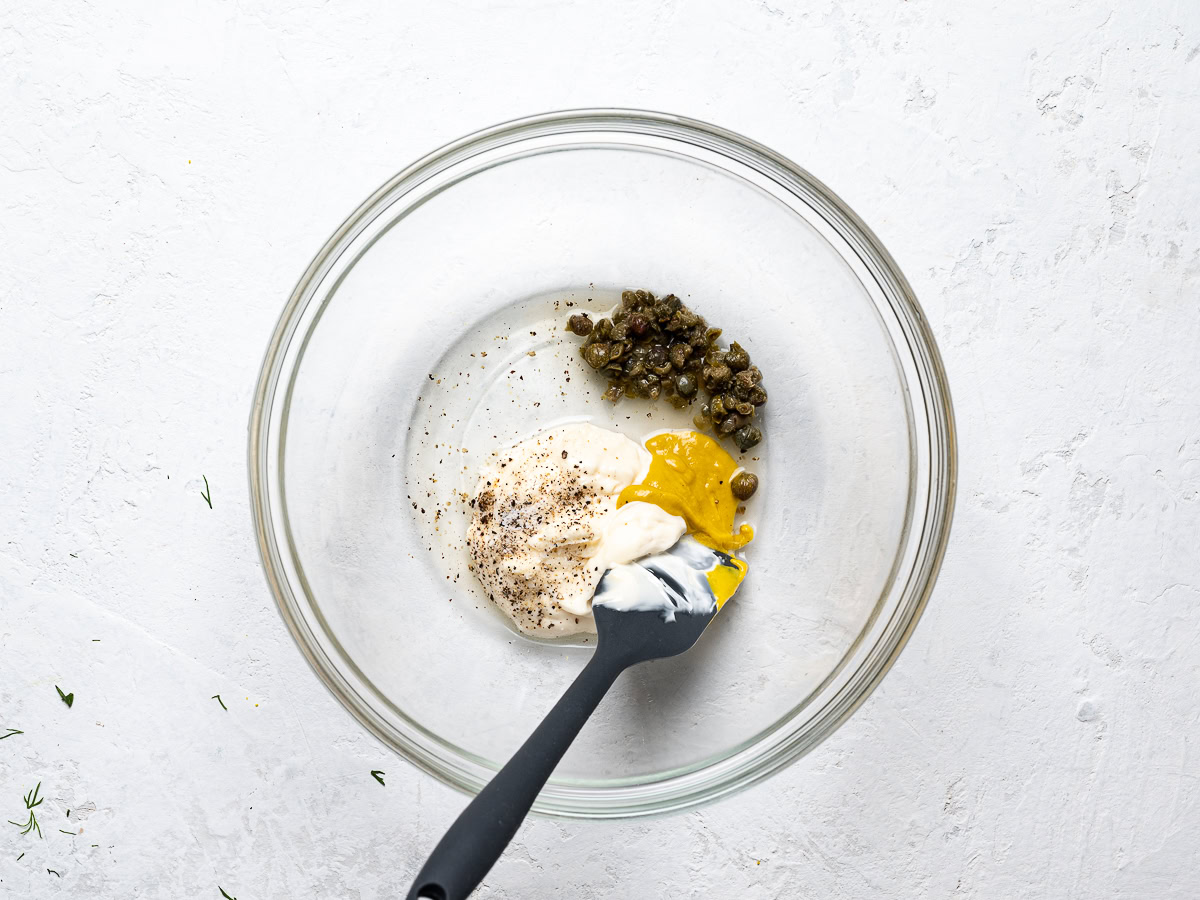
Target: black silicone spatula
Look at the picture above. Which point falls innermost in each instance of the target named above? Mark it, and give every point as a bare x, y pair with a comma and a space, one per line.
479, 835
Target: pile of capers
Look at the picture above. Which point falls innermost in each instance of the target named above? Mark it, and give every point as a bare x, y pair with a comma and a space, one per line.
656, 347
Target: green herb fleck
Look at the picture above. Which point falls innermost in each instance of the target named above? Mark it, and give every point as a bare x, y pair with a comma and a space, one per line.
378, 776
65, 698
225, 895
68, 832
19, 857
217, 697
31, 800
75, 555
207, 495
11, 732
52, 872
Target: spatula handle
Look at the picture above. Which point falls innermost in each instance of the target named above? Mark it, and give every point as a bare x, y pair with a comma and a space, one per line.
481, 832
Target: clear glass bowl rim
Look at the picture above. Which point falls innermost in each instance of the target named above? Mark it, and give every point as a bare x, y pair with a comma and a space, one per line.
747, 764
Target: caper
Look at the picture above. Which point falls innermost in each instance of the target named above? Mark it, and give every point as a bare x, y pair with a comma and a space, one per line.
666, 307
580, 324
709, 379
604, 328
743, 485
712, 334
737, 358
638, 324
728, 425
613, 392
744, 381
596, 355
658, 358
628, 299
680, 354
686, 385
681, 320
758, 396
717, 408
620, 330
744, 408
746, 437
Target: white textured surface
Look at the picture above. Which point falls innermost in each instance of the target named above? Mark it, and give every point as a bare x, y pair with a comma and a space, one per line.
165, 177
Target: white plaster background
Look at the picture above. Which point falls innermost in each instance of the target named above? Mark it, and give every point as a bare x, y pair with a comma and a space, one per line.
168, 170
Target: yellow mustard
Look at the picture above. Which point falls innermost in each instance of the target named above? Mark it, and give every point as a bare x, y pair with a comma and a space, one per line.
689, 477
724, 579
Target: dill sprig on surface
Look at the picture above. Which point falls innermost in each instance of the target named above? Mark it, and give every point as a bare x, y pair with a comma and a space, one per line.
65, 698
207, 492
31, 800
217, 697
11, 732
378, 776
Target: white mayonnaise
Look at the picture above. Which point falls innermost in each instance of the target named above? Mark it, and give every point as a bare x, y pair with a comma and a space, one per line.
545, 524
673, 582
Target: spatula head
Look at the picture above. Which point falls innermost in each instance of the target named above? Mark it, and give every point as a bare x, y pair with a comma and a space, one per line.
660, 605
639, 635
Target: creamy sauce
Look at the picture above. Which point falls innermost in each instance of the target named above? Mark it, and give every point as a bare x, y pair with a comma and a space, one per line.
545, 524
554, 512
688, 578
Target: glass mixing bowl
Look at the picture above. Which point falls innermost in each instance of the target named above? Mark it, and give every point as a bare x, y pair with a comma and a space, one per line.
429, 329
